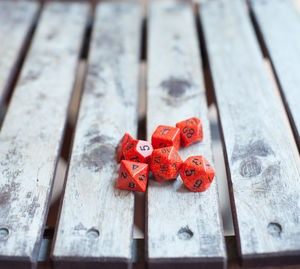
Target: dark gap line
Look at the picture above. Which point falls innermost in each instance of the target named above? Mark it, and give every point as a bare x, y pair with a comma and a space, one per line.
87, 37
144, 40
142, 94
207, 77
209, 85
202, 45
142, 128
258, 33
48, 232
139, 198
266, 54
66, 145
17, 68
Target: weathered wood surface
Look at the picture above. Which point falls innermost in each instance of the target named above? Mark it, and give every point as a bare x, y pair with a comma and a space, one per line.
31, 134
16, 21
279, 23
264, 180
96, 221
182, 228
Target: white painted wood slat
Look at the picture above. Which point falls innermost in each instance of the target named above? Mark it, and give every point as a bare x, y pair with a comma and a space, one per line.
182, 228
16, 21
31, 134
263, 175
96, 221
279, 23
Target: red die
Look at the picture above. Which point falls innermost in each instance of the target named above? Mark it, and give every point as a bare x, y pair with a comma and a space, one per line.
138, 151
197, 173
165, 163
122, 144
190, 131
166, 136
133, 176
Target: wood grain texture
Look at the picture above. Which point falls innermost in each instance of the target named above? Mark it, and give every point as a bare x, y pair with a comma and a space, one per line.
16, 21
264, 180
279, 23
108, 110
182, 228
31, 134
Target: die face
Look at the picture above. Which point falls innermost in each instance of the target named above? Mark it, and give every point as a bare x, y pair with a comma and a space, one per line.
197, 173
141, 177
190, 131
159, 163
144, 148
130, 153
176, 163
127, 138
165, 163
133, 176
138, 151
209, 171
166, 136
125, 181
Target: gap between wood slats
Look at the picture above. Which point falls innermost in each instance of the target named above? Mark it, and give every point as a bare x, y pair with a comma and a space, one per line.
139, 197
7, 94
276, 86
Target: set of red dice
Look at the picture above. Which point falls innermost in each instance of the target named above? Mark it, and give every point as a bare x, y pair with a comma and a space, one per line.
162, 157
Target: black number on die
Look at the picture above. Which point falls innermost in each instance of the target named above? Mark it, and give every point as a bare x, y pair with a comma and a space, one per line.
190, 133
165, 131
131, 185
164, 150
128, 139
129, 147
164, 168
175, 167
191, 121
190, 172
157, 159
142, 177
136, 159
196, 161
145, 147
185, 129
197, 184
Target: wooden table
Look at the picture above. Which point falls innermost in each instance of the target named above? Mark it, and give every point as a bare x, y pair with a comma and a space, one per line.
214, 46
